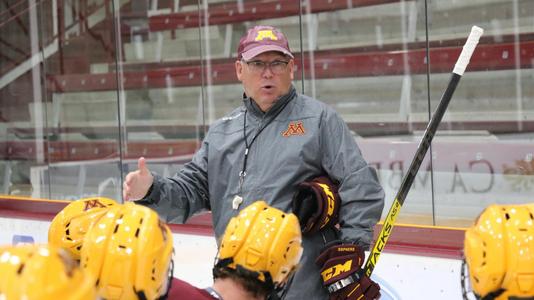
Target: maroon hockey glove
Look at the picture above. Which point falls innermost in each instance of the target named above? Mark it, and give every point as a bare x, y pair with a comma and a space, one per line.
342, 274
316, 204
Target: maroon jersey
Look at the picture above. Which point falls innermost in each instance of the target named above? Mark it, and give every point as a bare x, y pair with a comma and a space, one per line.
181, 290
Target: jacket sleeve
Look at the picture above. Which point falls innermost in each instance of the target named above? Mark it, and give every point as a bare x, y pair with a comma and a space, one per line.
178, 197
362, 196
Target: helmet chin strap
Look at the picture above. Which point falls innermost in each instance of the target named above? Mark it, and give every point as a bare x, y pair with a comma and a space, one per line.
169, 283
280, 290
464, 280
493, 295
141, 294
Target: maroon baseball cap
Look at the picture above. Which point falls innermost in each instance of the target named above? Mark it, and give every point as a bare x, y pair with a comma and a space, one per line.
260, 39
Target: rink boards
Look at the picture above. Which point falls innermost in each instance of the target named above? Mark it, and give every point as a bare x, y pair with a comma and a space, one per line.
417, 262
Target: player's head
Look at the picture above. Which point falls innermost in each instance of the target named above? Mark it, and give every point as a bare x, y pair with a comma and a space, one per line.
499, 252
261, 246
129, 252
42, 272
70, 225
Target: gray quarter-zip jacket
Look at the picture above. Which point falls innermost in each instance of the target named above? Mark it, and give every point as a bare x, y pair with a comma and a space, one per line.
298, 139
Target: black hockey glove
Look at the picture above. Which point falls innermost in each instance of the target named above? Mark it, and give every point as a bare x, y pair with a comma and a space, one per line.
316, 204
342, 275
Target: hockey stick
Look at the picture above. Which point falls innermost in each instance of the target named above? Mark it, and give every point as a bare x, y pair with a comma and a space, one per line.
408, 179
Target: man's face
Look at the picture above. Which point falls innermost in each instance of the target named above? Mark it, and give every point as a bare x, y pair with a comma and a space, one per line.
266, 77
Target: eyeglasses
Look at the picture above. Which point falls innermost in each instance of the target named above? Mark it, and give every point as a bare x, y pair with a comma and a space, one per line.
276, 66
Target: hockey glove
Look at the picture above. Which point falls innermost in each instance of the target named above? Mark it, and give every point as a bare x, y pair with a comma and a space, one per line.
316, 204
342, 274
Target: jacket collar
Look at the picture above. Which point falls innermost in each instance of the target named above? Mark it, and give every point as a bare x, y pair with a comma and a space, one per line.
253, 108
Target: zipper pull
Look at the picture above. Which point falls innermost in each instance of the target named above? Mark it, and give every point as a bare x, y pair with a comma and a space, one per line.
237, 201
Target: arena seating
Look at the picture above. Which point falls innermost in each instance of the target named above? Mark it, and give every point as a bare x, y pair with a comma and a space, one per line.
175, 75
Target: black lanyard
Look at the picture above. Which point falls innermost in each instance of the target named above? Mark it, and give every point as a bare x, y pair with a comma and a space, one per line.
243, 172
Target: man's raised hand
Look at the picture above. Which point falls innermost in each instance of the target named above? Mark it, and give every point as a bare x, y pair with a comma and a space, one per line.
137, 183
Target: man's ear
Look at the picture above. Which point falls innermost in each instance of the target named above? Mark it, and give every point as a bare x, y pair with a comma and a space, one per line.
239, 70
291, 66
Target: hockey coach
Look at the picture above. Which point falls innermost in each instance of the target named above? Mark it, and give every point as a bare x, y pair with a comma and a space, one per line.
290, 150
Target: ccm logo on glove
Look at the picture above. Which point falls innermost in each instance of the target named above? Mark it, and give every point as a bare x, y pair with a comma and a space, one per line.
342, 275
336, 270
316, 204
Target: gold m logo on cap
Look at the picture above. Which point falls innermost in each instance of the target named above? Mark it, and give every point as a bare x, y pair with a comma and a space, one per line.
265, 34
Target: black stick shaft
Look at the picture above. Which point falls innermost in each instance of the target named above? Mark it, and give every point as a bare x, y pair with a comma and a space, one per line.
430, 131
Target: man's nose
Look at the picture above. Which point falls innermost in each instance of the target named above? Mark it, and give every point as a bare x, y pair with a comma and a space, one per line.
267, 72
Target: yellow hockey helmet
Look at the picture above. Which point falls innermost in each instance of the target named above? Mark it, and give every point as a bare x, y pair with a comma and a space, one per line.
129, 252
42, 272
70, 225
499, 251
264, 241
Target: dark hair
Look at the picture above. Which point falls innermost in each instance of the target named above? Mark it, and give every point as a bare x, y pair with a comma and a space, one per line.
251, 285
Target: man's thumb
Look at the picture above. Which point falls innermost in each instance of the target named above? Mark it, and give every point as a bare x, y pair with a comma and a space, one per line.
141, 165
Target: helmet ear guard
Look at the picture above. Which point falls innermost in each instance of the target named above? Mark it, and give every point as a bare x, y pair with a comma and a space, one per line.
129, 252
262, 243
499, 252
69, 226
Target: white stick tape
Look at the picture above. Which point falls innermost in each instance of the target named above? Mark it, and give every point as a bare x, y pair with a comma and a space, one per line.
468, 50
